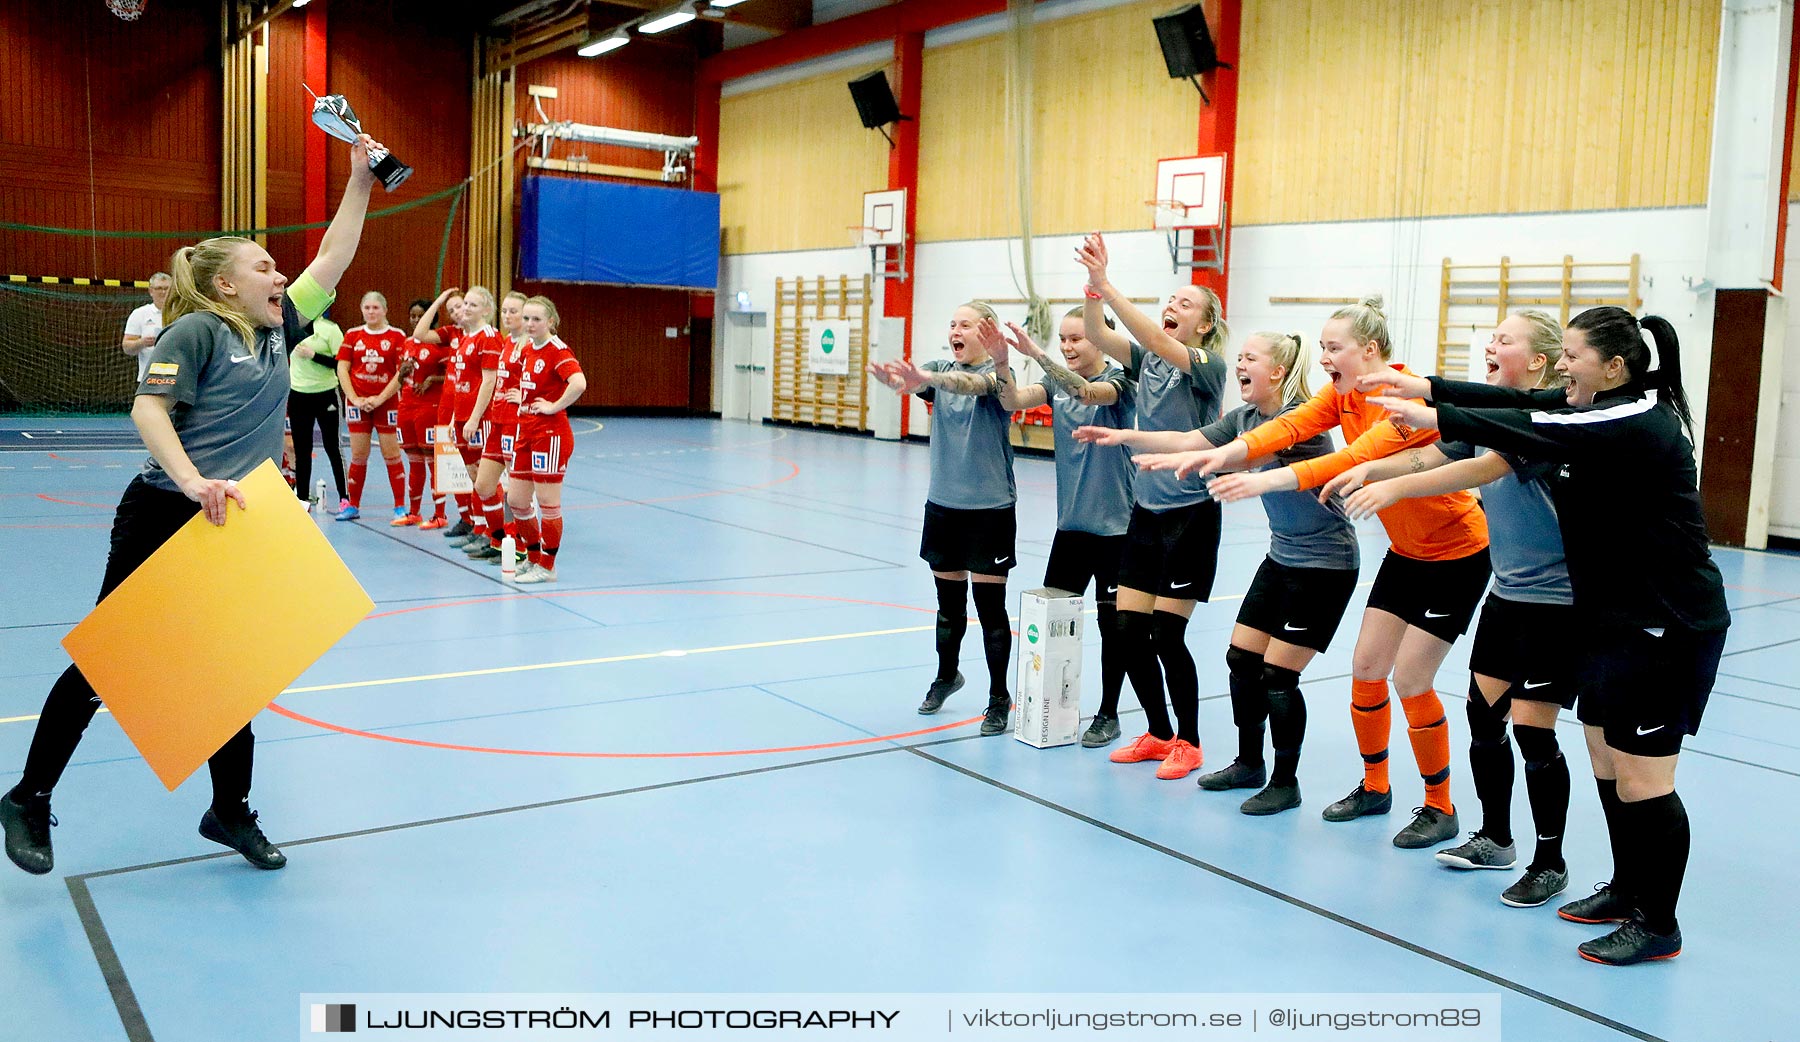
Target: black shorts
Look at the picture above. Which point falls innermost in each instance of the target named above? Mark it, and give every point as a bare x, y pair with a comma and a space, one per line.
1300, 606
1530, 647
1173, 553
1647, 692
1076, 557
979, 541
1438, 597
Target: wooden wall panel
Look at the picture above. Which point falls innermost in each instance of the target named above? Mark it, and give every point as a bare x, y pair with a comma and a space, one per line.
619, 334
406, 69
794, 162
110, 125
290, 120
1486, 106
1104, 109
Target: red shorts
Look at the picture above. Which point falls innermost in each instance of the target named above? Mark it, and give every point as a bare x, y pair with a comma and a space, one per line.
383, 420
416, 426
541, 451
497, 441
471, 450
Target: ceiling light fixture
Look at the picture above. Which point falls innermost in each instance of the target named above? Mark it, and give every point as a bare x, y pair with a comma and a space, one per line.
605, 44
680, 15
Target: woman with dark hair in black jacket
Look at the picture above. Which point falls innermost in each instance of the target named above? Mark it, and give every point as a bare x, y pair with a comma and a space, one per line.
1651, 601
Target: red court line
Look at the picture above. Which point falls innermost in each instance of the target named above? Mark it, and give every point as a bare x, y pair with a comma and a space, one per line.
75, 502
791, 475
453, 747
55, 526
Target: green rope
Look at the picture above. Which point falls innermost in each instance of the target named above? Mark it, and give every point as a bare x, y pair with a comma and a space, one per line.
444, 246
414, 204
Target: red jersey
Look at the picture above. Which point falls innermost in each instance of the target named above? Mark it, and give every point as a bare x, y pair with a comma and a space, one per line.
373, 359
428, 361
479, 350
544, 375
512, 356
450, 339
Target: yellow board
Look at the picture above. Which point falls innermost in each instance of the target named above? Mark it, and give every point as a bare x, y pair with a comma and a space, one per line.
215, 624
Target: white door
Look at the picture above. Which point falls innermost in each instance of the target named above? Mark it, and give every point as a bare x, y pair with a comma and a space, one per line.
746, 396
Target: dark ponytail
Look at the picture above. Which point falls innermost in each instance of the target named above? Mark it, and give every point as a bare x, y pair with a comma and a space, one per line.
1614, 333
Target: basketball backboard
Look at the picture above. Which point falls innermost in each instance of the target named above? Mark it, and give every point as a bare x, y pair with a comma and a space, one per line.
1188, 192
884, 218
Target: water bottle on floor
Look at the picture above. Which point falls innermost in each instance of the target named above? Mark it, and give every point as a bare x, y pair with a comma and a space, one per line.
508, 561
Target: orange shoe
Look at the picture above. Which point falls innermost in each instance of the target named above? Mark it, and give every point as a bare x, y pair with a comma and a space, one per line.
403, 520
436, 522
1183, 759
1147, 747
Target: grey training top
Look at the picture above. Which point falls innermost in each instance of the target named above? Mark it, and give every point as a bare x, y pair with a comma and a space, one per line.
1170, 399
229, 401
971, 447
1093, 482
1303, 533
1524, 537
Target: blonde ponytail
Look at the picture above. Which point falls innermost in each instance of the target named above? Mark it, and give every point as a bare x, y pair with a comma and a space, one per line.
1368, 324
1288, 350
193, 269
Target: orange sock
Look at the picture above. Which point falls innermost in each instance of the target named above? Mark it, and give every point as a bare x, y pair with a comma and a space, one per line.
1431, 746
1373, 718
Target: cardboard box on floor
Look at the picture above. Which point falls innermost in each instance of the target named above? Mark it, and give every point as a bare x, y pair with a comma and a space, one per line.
1048, 713
215, 624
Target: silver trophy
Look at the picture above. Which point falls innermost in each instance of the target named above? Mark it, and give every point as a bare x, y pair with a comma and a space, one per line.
334, 116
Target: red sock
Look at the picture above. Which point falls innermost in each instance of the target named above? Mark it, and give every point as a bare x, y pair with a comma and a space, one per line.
465, 505
415, 485
437, 504
493, 514
397, 479
552, 526
528, 535
359, 471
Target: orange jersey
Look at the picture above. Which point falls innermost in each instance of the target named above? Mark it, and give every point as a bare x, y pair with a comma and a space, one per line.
1429, 528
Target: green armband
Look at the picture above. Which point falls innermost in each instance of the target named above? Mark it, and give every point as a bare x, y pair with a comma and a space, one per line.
310, 299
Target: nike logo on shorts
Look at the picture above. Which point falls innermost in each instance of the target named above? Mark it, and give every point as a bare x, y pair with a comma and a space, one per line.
1180, 586
1529, 686
1437, 614
1642, 732
1545, 839
1290, 627
235, 358
1112, 589
999, 560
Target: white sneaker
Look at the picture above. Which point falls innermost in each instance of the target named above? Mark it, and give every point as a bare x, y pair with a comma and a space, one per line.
537, 574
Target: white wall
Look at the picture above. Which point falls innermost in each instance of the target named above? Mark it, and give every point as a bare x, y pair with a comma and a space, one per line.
1784, 501
1399, 259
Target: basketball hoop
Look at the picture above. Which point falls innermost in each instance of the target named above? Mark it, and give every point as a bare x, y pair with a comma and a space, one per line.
1169, 213
127, 10
863, 234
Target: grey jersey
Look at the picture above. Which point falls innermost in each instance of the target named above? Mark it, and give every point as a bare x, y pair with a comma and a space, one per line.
1170, 399
971, 447
229, 400
1303, 533
1524, 536
1093, 482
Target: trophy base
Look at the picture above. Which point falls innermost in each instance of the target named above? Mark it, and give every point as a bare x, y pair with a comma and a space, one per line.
391, 171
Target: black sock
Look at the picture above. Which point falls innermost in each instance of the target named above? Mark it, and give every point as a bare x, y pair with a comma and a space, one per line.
996, 638
1112, 654
1547, 784
1249, 704
1179, 674
952, 623
1138, 647
1287, 721
1609, 806
1491, 764
231, 767
1657, 830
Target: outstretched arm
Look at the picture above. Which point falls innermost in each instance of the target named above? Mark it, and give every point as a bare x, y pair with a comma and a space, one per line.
338, 247
1377, 496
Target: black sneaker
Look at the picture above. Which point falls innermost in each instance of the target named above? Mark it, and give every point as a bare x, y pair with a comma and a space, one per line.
1428, 827
1272, 800
1359, 804
27, 826
1535, 887
1103, 731
937, 692
460, 530
993, 722
1631, 943
487, 552
1604, 905
245, 837
1237, 776
1480, 852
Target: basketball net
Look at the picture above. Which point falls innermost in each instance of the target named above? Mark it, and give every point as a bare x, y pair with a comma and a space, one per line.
129, 10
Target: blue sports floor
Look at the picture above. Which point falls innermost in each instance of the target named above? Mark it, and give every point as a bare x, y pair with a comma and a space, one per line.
694, 765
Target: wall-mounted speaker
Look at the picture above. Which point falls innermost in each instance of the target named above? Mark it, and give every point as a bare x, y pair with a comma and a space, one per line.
1187, 44
875, 100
